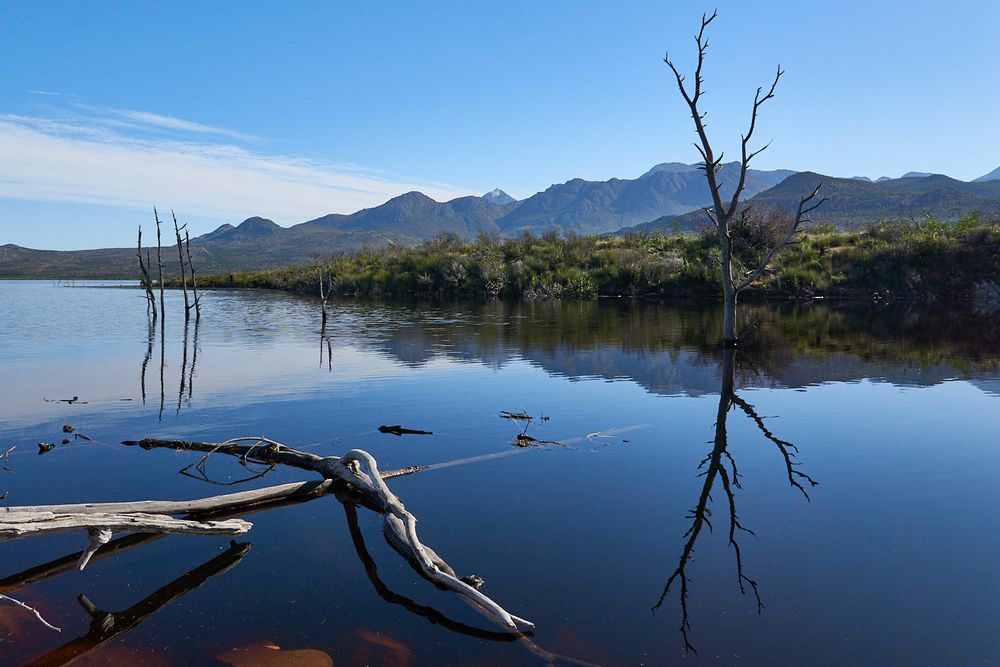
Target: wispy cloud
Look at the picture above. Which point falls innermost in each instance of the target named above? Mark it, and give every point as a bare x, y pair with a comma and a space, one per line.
172, 123
89, 163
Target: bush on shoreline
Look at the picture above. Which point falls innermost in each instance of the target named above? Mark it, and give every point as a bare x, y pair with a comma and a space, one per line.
916, 260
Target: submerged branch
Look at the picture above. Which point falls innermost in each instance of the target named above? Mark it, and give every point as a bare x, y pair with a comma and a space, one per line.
34, 611
358, 469
106, 626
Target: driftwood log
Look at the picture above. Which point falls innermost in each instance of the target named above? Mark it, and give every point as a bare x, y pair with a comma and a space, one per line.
101, 526
357, 472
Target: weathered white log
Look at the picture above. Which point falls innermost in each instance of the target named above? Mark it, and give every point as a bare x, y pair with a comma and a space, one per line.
100, 527
211, 504
21, 524
359, 469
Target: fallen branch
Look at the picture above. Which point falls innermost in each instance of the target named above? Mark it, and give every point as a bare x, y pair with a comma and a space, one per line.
360, 470
100, 527
34, 611
217, 507
242, 500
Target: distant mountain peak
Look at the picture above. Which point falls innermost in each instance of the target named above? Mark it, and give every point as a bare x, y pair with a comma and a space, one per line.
498, 196
992, 176
671, 168
413, 196
916, 174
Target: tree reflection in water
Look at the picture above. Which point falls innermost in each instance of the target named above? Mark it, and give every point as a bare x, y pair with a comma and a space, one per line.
719, 465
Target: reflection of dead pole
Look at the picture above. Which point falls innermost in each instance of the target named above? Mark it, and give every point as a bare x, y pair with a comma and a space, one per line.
163, 364
715, 465
106, 626
184, 363
323, 338
194, 353
145, 362
324, 341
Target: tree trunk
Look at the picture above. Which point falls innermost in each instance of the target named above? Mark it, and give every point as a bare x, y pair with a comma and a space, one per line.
728, 287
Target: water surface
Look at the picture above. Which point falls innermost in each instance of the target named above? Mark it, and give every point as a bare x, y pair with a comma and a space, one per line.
891, 410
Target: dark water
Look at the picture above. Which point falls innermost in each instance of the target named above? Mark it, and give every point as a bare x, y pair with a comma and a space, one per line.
894, 558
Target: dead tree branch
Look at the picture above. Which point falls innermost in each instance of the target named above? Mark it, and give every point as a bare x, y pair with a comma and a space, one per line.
360, 470
194, 279
180, 260
159, 264
803, 210
101, 526
34, 611
145, 280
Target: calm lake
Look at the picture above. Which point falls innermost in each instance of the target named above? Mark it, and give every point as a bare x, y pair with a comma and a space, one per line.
645, 433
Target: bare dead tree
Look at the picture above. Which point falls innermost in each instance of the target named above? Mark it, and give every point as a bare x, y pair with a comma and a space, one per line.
147, 283
180, 259
159, 264
194, 279
725, 210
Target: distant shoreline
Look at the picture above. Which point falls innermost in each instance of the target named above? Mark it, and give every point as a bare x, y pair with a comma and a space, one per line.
930, 261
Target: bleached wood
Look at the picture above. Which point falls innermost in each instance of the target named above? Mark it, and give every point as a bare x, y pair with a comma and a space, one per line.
359, 469
211, 504
22, 524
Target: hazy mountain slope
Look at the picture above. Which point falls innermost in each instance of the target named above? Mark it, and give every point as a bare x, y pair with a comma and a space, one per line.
596, 207
415, 215
669, 195
855, 203
992, 176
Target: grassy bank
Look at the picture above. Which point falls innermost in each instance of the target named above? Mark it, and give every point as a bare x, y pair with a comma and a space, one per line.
911, 260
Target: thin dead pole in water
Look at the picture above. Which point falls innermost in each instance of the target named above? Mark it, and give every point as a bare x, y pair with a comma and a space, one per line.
159, 265
323, 295
144, 278
180, 259
194, 282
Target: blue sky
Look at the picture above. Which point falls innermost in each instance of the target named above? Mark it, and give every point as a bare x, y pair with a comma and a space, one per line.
225, 110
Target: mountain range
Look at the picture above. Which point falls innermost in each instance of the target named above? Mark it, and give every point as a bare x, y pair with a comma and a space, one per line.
854, 203
668, 196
